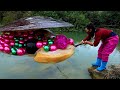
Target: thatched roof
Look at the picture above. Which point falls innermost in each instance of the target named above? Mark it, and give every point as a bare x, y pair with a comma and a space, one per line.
35, 22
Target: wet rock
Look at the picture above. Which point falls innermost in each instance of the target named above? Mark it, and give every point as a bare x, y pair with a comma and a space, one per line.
95, 74
113, 72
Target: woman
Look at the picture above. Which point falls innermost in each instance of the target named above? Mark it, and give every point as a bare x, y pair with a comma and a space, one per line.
109, 40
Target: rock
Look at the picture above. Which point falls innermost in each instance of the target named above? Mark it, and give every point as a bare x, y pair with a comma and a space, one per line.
113, 72
95, 74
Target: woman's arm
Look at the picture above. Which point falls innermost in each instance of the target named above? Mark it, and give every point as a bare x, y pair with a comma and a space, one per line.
87, 38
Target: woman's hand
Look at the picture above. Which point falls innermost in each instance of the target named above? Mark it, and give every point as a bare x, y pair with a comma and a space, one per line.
88, 42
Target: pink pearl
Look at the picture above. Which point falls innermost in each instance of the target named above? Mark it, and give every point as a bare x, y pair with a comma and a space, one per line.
39, 44
18, 34
12, 40
24, 50
12, 43
53, 47
7, 40
44, 42
1, 37
11, 33
30, 32
5, 45
7, 50
1, 47
2, 41
21, 41
71, 41
30, 37
25, 34
25, 39
20, 52
11, 36
5, 36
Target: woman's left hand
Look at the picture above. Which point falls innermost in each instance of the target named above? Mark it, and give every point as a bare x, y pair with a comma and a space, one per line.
88, 42
85, 42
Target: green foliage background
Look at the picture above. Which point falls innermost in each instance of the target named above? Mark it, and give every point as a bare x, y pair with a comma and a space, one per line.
78, 18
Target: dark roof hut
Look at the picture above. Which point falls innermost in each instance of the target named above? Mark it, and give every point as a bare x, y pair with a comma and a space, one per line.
34, 23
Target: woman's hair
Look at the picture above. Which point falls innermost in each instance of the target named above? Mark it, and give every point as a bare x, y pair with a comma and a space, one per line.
92, 27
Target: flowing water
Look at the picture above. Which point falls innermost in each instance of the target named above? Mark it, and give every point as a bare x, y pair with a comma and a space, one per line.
24, 67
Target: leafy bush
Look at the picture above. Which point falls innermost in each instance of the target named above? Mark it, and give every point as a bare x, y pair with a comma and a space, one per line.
78, 18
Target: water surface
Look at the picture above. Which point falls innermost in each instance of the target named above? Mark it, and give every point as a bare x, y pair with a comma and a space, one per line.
24, 67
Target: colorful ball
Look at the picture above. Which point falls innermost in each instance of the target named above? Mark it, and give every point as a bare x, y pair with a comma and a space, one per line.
16, 44
61, 41
12, 43
21, 41
20, 45
25, 34
30, 37
39, 38
12, 40
50, 42
6, 40
24, 45
7, 50
20, 52
44, 43
31, 32
1, 37
16, 40
18, 34
24, 50
39, 44
5, 45
2, 41
11, 36
13, 51
16, 48
46, 48
70, 41
53, 47
11, 33
5, 35
21, 38
25, 39
1, 47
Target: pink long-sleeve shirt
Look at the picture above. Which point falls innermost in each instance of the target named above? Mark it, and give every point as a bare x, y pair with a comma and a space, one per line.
100, 34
